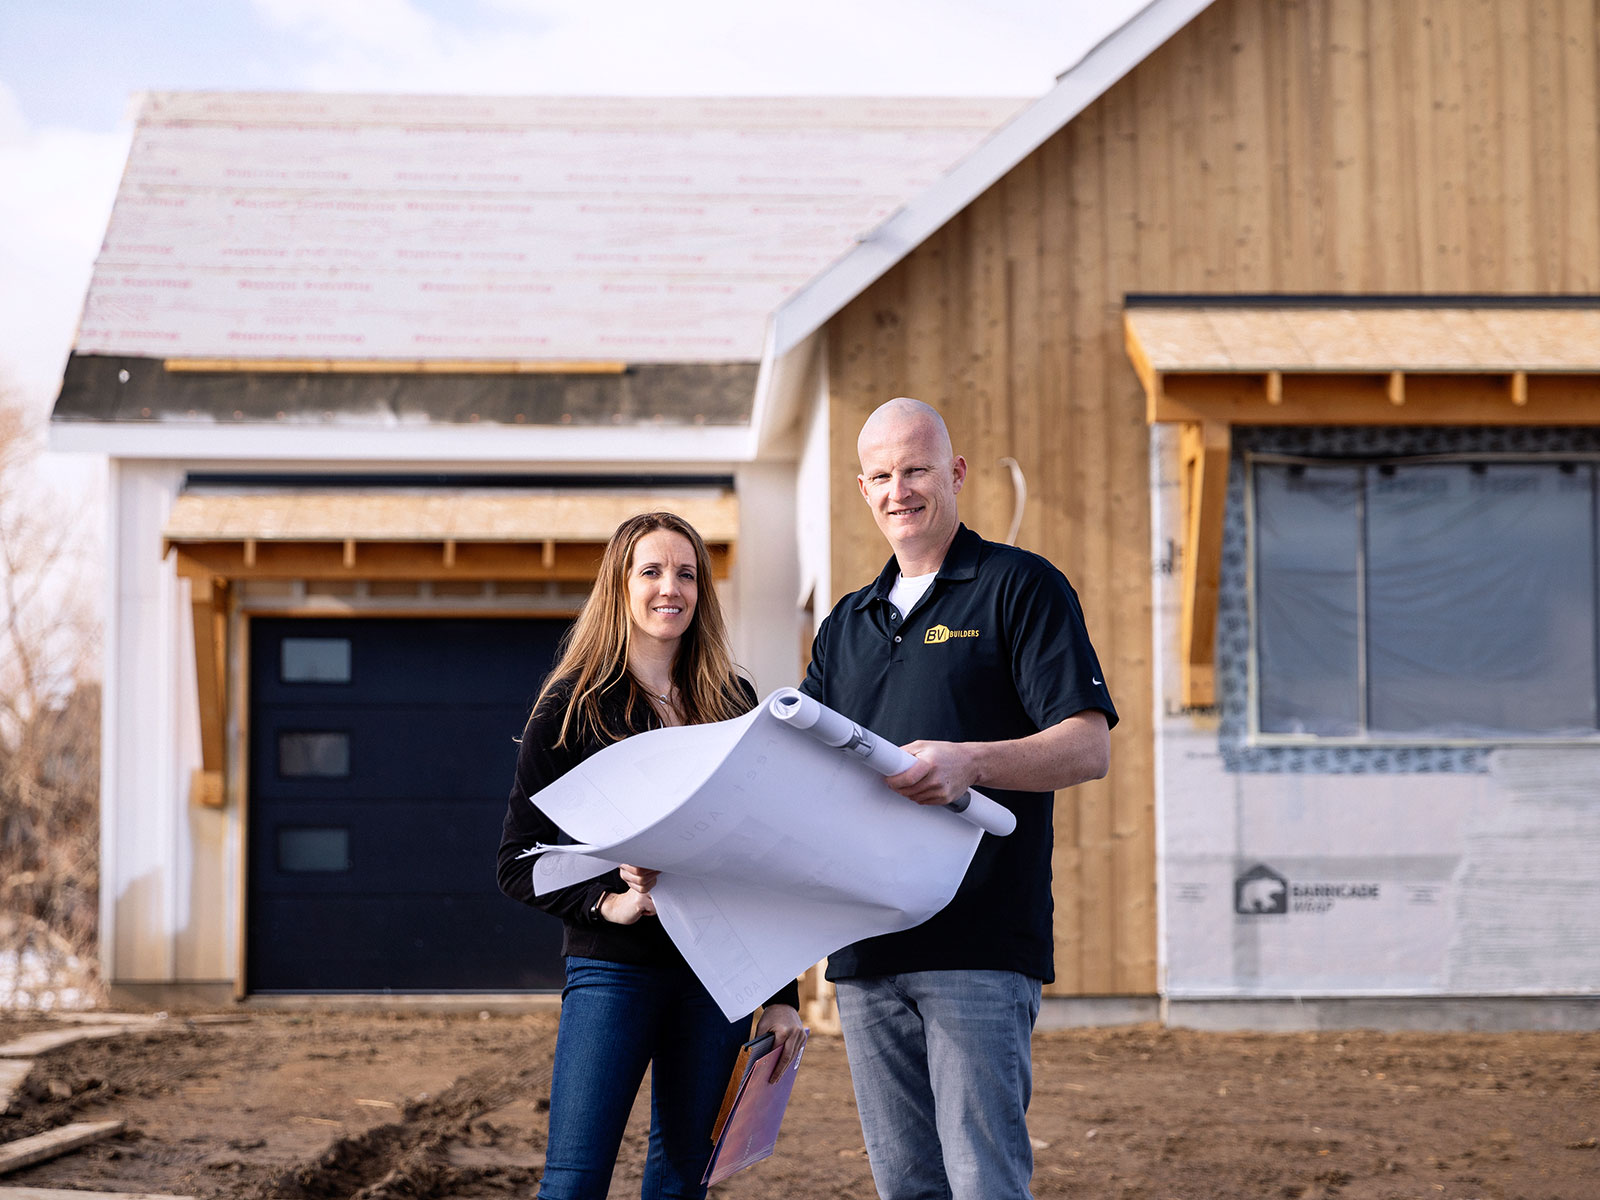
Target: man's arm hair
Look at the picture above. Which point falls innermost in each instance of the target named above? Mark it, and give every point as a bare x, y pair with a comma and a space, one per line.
1069, 752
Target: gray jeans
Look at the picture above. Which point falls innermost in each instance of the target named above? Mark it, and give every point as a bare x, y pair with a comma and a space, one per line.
943, 1069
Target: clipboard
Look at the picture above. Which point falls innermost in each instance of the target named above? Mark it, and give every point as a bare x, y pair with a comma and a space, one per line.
746, 1130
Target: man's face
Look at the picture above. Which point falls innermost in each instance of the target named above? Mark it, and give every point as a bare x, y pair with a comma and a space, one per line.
910, 479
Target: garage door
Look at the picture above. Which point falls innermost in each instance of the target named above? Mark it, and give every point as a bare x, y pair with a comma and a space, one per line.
381, 753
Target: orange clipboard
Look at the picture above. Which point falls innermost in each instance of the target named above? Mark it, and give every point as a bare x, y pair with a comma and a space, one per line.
746, 1130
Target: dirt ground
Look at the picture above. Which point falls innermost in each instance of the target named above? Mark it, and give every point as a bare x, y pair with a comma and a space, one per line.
314, 1105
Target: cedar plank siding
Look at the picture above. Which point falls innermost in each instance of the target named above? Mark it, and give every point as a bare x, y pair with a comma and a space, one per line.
1323, 146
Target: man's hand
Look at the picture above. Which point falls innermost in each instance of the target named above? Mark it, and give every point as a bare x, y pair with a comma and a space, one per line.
944, 771
784, 1024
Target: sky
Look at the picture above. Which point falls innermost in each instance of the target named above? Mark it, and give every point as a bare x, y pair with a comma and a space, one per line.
71, 70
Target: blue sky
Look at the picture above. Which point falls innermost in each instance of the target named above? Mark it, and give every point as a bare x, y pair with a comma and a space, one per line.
69, 70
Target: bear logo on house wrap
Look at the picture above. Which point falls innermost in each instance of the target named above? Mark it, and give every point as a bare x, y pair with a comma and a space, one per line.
1260, 892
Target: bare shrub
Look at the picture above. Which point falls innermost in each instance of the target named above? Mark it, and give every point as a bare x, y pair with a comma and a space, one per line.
49, 740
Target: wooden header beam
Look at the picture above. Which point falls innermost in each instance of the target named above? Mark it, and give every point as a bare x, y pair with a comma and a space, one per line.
1376, 398
356, 558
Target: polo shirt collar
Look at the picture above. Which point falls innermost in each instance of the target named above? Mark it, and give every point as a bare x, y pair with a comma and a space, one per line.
960, 562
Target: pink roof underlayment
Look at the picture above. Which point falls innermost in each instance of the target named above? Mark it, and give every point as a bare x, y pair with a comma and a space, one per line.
408, 228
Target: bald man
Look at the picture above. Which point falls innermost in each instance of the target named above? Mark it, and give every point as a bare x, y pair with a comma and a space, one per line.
974, 657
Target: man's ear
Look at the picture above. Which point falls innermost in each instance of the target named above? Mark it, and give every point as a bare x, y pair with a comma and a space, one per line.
861, 482
958, 471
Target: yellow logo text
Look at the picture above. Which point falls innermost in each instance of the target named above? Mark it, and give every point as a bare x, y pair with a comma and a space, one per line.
943, 633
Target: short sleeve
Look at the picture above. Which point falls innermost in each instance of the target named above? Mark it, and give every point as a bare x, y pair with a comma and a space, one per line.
1054, 663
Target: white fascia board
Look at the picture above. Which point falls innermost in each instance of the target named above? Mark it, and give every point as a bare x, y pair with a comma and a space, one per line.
762, 408
780, 395
908, 227
429, 444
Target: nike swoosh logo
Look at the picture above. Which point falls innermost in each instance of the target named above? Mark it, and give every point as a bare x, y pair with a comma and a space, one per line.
1096, 682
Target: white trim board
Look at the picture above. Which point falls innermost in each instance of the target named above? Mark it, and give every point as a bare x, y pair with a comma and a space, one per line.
700, 447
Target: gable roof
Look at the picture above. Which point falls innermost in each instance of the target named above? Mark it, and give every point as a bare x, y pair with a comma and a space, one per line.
318, 227
810, 307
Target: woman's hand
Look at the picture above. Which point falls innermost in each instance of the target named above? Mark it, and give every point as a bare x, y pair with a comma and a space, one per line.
639, 879
783, 1022
625, 908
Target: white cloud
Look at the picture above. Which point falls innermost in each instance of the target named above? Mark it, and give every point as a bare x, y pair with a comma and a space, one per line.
392, 30
707, 47
53, 211
51, 218
13, 126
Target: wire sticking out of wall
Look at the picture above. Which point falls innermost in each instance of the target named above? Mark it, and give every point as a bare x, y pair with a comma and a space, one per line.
1019, 485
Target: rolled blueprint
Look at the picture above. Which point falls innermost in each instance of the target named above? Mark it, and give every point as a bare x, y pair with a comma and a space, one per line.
832, 729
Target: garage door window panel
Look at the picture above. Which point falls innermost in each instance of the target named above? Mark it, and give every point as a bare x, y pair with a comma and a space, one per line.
319, 754
314, 660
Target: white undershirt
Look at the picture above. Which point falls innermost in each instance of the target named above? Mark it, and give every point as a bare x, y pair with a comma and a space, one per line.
908, 589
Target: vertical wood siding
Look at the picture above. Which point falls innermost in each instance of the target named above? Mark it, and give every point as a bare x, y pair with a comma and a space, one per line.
1328, 146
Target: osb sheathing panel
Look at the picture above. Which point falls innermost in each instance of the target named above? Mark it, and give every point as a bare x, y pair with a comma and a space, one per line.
1346, 146
467, 516
1375, 339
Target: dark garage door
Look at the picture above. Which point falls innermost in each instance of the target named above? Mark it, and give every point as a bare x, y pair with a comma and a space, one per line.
381, 753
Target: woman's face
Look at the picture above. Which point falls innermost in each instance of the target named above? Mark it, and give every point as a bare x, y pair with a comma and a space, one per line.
662, 587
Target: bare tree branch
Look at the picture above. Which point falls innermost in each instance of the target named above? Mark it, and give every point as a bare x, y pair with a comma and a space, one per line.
49, 739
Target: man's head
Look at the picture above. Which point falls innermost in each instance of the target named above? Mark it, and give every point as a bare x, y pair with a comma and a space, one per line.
910, 477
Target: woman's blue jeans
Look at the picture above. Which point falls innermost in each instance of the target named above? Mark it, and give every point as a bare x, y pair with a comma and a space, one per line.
617, 1019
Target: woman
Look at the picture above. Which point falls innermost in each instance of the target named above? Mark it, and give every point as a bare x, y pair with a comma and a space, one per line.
648, 649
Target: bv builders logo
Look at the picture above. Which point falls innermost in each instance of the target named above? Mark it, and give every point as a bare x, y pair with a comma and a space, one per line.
943, 633
1262, 892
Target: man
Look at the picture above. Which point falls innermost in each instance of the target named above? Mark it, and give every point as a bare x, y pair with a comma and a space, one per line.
974, 657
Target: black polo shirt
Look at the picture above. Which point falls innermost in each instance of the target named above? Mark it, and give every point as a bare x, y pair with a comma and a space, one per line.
996, 649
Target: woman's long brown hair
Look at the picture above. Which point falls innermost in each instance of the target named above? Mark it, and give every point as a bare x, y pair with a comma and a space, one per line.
594, 652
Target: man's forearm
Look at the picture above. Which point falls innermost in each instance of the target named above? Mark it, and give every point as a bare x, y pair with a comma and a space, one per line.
1073, 751
1068, 753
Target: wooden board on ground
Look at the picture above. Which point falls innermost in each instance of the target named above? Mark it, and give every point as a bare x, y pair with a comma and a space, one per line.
50, 1039
24, 1152
90, 1016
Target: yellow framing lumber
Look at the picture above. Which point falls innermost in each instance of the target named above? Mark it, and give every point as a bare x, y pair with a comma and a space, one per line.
1203, 459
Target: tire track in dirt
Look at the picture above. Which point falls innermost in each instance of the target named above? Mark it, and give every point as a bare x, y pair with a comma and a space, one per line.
409, 1159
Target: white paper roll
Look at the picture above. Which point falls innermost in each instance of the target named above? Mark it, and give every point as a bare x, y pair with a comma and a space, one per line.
832, 729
